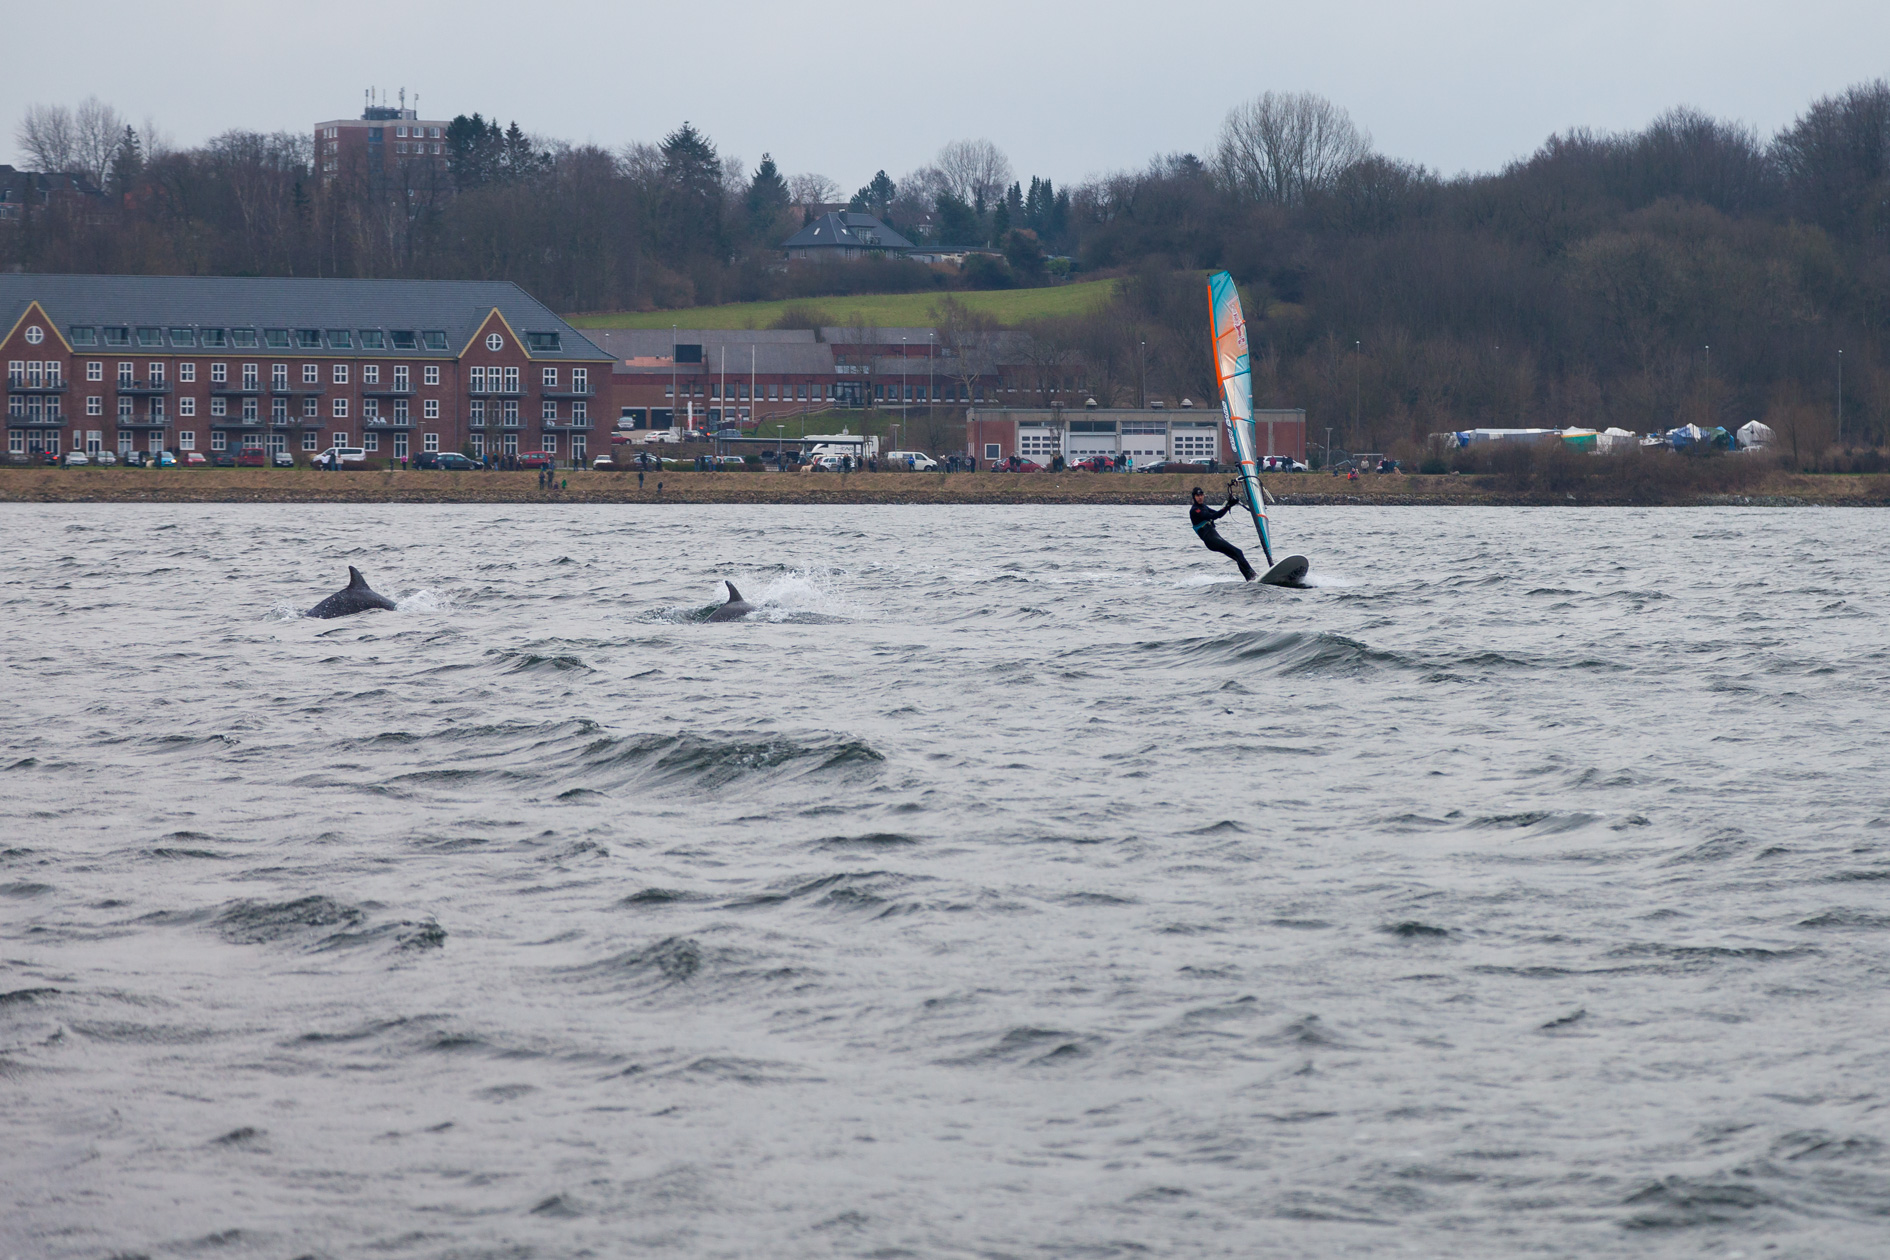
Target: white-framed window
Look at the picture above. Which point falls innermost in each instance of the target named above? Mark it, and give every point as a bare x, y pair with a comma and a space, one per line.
125, 440
370, 409
548, 411
431, 374
495, 343
430, 442
186, 406
340, 373
124, 373
311, 406
551, 444
478, 443
340, 439
476, 412
551, 378
800, 392
340, 411
157, 410
250, 375
311, 440
370, 374
430, 409
311, 374
400, 411
476, 379
993, 451
186, 440
94, 370
219, 373
774, 393
577, 449
94, 441
219, 406
511, 380
278, 376
249, 409
95, 405
217, 440
580, 413
187, 373
279, 410
370, 441
157, 372
124, 408
400, 376
400, 446
511, 444
580, 379
511, 413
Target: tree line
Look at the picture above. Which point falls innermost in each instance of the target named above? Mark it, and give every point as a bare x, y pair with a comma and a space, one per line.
1687, 271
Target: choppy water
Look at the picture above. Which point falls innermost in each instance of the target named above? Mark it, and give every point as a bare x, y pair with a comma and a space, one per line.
1020, 886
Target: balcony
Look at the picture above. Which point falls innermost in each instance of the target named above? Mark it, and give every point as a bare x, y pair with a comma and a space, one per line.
495, 392
126, 386
20, 385
142, 422
248, 389
386, 391
234, 422
44, 420
589, 391
567, 426
291, 391
387, 422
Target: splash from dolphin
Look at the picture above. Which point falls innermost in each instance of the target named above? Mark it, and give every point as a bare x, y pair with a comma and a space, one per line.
735, 609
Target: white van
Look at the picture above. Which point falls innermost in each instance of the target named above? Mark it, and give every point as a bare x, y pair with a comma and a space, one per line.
917, 461
341, 457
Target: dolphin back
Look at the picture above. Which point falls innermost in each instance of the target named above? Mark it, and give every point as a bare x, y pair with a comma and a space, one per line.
357, 597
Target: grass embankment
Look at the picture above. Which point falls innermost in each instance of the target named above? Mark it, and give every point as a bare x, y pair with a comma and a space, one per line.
256, 485
880, 310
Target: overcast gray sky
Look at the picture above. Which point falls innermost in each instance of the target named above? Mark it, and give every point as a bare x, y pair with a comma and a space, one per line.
1066, 90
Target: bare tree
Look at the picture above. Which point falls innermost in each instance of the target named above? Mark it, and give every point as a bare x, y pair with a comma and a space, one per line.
97, 131
974, 171
49, 136
811, 189
968, 343
1282, 145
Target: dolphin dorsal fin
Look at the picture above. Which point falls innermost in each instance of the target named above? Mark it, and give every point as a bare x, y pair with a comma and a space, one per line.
354, 578
734, 596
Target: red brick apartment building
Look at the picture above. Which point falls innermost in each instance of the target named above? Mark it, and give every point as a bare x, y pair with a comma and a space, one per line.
382, 139
184, 363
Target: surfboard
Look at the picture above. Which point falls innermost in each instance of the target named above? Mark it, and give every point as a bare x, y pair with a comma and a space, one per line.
1227, 330
1288, 572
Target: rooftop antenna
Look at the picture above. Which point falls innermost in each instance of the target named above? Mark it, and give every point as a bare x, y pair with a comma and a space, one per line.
403, 98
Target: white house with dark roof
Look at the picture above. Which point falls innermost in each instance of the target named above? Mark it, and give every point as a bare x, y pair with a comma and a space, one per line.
843, 236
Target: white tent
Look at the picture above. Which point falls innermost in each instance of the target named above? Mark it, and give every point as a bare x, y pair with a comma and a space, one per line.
1752, 433
1615, 440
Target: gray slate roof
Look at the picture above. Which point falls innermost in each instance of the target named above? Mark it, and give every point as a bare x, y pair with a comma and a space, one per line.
844, 229
456, 307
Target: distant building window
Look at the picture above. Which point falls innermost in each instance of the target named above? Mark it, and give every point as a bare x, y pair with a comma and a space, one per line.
94, 370
243, 338
278, 376
430, 409
249, 408
370, 408
341, 409
186, 440
400, 411
279, 409
187, 372
219, 407
370, 374
219, 373
340, 338
95, 405
511, 380
430, 442
434, 132
212, 337
993, 451
311, 440
404, 340
216, 439
580, 413
400, 446
124, 408
401, 132
373, 339
186, 406
183, 337
341, 373
311, 406
548, 411
495, 342
308, 338
150, 336
538, 341
580, 379
401, 377
370, 441
275, 338
432, 376
550, 378
84, 336
118, 336
311, 374
551, 444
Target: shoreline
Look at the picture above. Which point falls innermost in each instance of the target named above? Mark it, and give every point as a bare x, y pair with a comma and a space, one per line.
258, 485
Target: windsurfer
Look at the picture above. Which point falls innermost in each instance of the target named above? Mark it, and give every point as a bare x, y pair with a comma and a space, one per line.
1202, 517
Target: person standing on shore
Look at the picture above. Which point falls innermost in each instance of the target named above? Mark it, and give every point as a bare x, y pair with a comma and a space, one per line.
1202, 517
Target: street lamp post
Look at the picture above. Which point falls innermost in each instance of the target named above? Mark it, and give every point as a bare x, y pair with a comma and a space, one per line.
1142, 363
1358, 390
903, 391
672, 380
1840, 432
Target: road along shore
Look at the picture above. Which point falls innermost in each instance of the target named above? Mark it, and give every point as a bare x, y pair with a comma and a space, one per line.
259, 485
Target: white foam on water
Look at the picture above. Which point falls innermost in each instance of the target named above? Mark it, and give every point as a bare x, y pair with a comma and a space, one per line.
424, 600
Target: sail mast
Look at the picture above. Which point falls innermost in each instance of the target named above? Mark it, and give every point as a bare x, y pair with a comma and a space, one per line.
1227, 326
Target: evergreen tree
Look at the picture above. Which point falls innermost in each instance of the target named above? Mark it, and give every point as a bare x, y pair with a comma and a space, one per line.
767, 193
876, 198
127, 163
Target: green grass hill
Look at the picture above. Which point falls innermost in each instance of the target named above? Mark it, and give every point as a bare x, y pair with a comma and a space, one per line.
886, 310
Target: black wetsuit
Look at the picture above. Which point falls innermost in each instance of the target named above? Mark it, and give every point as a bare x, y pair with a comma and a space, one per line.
1202, 517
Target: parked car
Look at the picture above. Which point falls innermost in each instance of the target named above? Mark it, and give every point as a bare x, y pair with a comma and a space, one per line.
730, 461
282, 459
75, 459
165, 459
105, 459
1178, 466
17, 458
537, 459
136, 459
342, 457
1095, 463
1281, 463
916, 461
223, 459
195, 459
453, 461
252, 457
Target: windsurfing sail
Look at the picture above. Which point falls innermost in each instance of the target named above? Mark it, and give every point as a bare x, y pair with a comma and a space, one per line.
1228, 327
